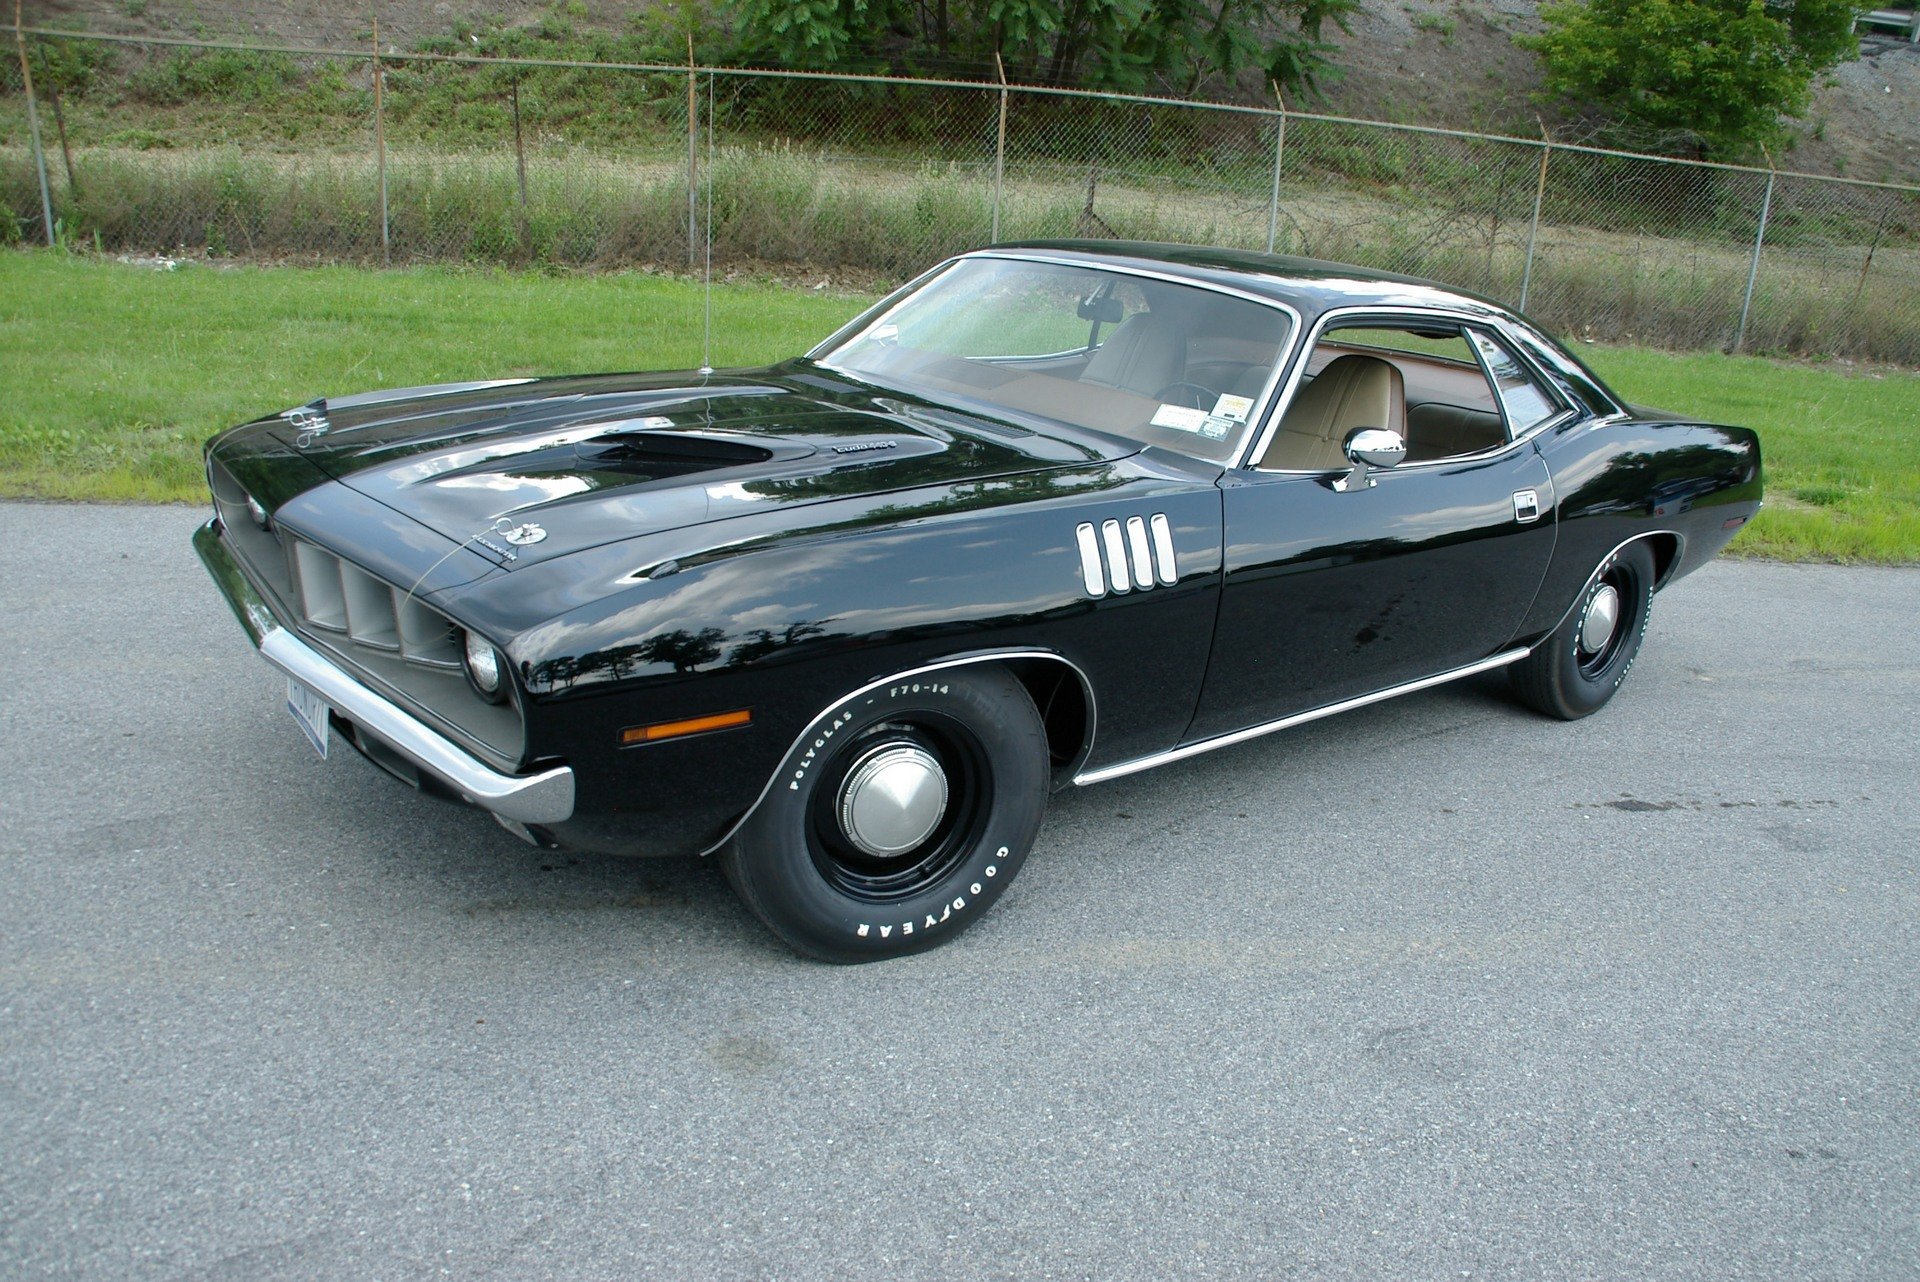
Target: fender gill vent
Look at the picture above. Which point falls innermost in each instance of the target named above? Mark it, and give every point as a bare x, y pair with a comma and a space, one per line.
1134, 556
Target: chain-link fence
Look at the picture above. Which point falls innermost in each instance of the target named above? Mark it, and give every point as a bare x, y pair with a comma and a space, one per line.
149, 146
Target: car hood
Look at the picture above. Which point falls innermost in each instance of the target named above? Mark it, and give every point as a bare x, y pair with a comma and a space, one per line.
526, 470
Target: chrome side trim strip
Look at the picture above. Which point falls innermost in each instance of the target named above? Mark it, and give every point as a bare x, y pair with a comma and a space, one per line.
1301, 718
1092, 575
544, 798
958, 661
1163, 561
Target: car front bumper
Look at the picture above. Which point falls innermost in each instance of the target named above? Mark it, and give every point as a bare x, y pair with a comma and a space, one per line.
542, 798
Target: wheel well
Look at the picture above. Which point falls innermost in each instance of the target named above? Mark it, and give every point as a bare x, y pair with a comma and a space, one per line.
1666, 553
1058, 691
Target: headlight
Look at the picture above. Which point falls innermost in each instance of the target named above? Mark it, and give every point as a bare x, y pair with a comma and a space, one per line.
257, 512
486, 669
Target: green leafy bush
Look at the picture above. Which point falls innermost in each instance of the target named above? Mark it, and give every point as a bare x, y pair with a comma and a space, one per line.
1721, 72
220, 75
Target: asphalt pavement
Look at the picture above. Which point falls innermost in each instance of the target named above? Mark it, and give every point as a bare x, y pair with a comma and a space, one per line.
1438, 989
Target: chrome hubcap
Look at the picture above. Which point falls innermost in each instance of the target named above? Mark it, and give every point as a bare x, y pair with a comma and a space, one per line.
892, 800
1603, 616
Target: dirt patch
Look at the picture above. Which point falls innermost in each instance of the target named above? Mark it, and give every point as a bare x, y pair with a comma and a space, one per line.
1440, 62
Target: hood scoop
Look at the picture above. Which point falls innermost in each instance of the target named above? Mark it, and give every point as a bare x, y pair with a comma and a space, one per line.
678, 453
600, 459
569, 465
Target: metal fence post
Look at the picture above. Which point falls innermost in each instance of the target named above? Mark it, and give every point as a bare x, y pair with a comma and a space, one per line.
33, 127
693, 160
520, 167
1279, 151
1533, 228
1753, 268
380, 147
999, 152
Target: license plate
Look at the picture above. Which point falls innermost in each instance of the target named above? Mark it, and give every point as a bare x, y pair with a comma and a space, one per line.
310, 710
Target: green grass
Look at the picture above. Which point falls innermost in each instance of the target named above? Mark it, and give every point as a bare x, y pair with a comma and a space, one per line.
116, 373
1842, 456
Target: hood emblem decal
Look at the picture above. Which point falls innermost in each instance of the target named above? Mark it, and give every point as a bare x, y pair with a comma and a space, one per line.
521, 535
310, 421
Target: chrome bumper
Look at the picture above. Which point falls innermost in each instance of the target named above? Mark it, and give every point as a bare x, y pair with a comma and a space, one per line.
544, 798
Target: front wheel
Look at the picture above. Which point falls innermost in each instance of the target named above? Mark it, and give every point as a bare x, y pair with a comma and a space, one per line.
900, 820
1576, 669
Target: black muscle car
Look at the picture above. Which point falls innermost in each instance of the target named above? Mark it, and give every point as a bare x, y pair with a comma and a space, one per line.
1049, 515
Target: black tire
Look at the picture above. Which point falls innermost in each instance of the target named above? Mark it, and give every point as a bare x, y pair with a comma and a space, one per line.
1570, 676
796, 866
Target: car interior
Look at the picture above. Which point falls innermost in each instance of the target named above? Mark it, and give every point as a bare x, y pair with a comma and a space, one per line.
1121, 357
1424, 384
1183, 367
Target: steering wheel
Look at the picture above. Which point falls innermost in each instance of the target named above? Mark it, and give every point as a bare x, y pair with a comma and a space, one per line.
1191, 395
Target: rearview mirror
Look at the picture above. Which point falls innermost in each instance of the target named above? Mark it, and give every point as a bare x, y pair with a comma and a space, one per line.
1104, 308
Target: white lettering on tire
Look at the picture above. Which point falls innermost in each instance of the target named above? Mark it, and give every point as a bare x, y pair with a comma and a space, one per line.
864, 930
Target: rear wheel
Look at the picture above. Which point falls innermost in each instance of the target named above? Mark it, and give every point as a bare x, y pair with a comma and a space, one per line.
1576, 669
900, 821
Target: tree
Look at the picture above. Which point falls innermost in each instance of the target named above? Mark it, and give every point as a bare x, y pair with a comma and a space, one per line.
1131, 45
1188, 42
684, 651
1723, 72
62, 69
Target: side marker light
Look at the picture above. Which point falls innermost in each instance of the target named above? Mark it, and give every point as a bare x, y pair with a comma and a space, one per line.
691, 725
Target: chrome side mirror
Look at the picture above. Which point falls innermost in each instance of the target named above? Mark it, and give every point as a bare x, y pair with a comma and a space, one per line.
1369, 447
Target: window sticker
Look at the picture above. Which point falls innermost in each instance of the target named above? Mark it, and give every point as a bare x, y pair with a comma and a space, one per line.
1216, 428
1234, 407
1180, 418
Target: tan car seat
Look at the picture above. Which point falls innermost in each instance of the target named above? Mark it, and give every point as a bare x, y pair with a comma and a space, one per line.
1352, 391
1143, 354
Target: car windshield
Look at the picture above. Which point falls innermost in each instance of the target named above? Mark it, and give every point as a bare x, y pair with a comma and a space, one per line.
1180, 366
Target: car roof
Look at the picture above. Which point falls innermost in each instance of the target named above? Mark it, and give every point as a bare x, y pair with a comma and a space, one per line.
1310, 285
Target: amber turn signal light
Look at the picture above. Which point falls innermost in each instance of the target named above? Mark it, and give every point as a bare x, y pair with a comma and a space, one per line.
692, 725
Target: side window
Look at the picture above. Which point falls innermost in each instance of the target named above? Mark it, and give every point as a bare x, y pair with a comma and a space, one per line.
1420, 377
1527, 402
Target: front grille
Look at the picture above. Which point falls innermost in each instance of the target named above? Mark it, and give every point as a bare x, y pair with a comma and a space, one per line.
382, 631
338, 596
399, 645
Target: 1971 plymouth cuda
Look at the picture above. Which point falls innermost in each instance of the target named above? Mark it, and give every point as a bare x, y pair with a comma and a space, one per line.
1049, 515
